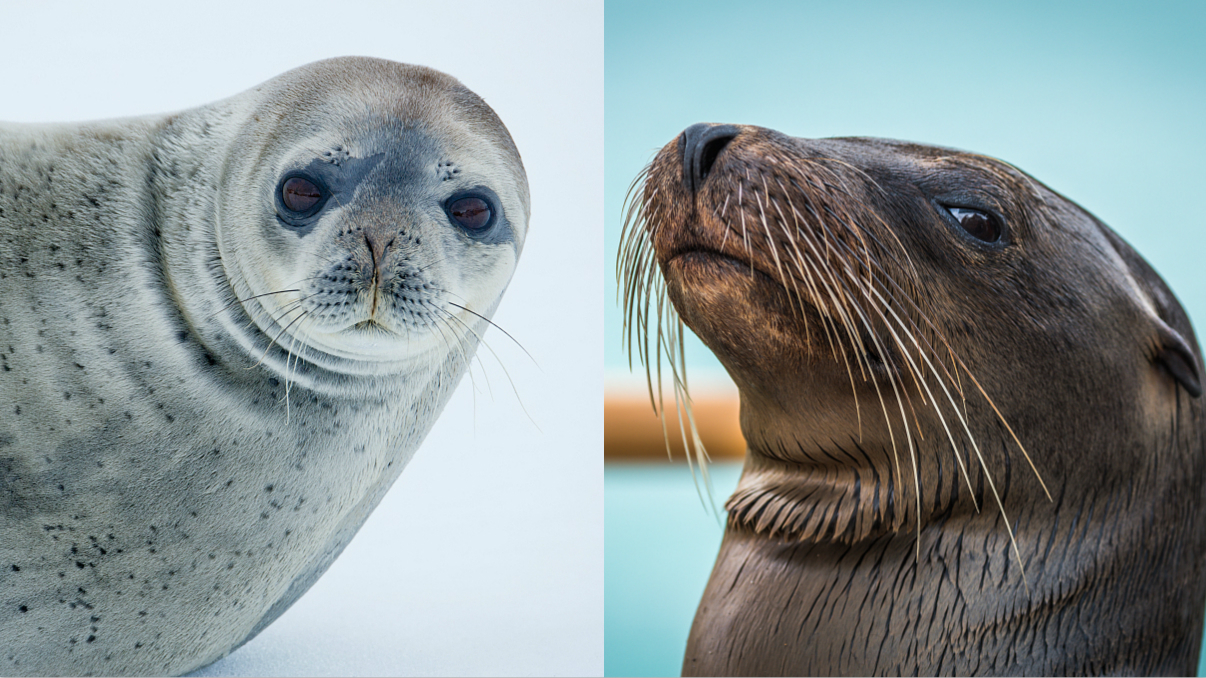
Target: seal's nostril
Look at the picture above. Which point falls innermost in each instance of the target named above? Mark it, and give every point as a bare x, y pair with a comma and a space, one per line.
701, 144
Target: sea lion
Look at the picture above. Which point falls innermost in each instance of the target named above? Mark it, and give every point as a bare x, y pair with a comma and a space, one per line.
975, 443
223, 334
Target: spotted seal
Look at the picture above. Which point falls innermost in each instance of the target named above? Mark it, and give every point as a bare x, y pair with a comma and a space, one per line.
223, 334
975, 442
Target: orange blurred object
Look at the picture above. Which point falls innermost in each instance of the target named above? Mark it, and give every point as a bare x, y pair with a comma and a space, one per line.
632, 432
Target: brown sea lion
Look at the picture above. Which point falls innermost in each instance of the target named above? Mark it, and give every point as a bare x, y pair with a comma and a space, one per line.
975, 438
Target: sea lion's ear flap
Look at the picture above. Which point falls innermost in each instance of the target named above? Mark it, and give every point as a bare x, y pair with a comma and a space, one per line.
1174, 348
1174, 354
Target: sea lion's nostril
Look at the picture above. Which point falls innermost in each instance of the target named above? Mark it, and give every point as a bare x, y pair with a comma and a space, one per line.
701, 144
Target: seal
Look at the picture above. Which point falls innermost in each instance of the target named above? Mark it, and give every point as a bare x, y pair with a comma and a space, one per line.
223, 334
975, 443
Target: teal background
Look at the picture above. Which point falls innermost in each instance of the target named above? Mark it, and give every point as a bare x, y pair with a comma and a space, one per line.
1105, 102
660, 546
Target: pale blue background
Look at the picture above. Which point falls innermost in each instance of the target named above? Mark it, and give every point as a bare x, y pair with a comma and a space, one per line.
486, 557
1105, 102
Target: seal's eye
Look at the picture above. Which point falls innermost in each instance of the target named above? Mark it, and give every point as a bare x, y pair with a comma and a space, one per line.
981, 225
471, 213
299, 194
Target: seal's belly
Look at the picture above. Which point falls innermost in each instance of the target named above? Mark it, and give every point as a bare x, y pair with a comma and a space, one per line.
132, 533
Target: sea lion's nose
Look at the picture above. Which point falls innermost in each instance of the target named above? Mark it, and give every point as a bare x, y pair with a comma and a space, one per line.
701, 143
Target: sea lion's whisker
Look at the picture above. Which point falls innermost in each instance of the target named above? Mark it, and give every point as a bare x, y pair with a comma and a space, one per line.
937, 410
983, 465
858, 171
833, 253
886, 305
1001, 417
914, 369
850, 332
938, 333
799, 257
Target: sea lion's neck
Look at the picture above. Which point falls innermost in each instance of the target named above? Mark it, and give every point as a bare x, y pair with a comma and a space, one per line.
853, 491
830, 574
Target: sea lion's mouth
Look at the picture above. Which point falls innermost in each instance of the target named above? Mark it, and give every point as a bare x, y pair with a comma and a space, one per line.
703, 259
700, 276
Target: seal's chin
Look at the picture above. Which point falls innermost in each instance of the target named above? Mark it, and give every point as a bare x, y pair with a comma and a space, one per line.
371, 327
371, 343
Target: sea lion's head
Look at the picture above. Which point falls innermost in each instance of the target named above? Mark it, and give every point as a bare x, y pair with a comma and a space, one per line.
909, 327
371, 214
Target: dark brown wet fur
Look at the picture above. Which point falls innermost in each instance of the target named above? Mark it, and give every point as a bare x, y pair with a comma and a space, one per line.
873, 341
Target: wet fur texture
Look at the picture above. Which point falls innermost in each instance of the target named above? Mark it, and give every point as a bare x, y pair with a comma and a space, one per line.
964, 457
190, 433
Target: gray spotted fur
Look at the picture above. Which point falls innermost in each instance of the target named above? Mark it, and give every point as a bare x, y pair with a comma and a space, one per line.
159, 504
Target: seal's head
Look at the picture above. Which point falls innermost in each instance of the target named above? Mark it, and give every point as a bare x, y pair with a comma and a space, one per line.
910, 326
388, 209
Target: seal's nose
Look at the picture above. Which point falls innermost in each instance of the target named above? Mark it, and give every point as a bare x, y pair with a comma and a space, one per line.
701, 143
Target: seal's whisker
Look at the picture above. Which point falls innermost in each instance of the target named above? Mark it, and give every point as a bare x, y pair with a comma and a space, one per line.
288, 355
482, 340
246, 299
277, 337
466, 358
495, 326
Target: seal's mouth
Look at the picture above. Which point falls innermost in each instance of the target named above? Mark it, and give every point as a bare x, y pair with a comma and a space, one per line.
370, 326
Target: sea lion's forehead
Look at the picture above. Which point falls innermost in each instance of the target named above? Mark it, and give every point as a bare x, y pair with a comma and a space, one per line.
936, 171
869, 152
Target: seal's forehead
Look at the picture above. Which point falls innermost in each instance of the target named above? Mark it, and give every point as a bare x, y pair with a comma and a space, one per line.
351, 90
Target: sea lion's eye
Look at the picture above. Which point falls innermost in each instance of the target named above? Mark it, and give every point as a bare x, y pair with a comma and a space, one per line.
299, 194
980, 225
471, 213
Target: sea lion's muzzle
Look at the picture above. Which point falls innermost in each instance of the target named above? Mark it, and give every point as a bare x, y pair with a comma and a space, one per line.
701, 143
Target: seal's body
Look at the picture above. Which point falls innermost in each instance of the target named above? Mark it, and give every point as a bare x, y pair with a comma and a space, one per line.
224, 333
975, 441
